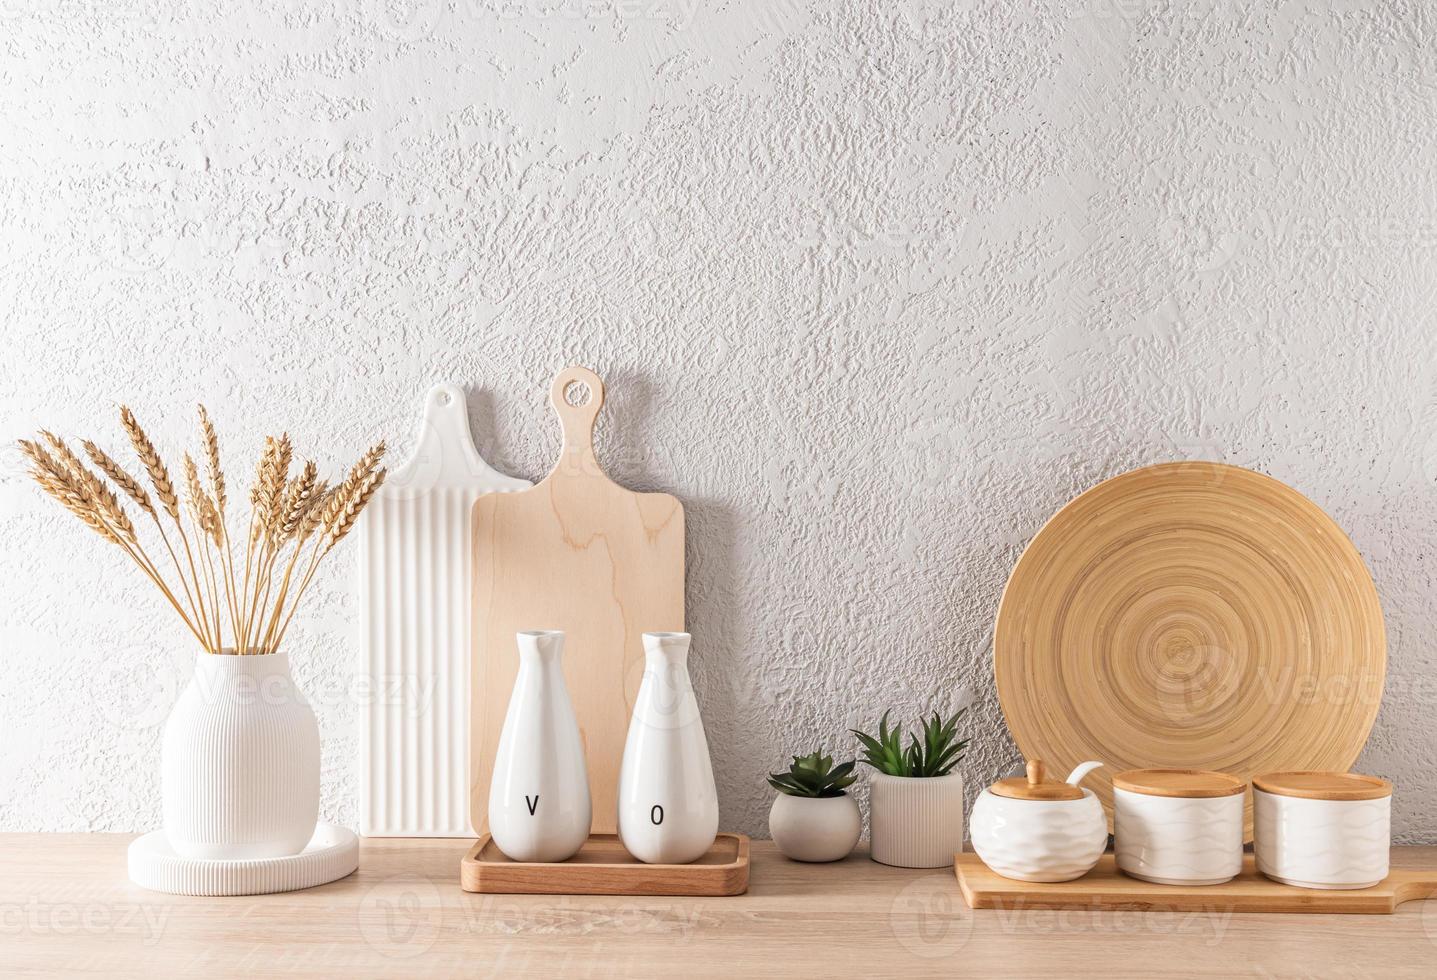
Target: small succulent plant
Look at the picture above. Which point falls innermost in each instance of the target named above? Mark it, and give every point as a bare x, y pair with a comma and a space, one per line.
814, 775
936, 755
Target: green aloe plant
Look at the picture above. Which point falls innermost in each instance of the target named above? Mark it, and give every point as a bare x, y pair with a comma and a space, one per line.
814, 775
935, 754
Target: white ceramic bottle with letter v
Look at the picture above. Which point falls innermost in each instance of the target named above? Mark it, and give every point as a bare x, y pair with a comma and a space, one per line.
668, 804
539, 807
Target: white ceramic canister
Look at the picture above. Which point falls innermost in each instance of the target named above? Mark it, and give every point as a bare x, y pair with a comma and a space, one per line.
539, 806
915, 821
1034, 830
240, 761
808, 828
1322, 829
1178, 826
668, 802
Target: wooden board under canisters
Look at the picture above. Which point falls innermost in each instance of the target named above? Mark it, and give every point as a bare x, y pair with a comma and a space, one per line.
1105, 888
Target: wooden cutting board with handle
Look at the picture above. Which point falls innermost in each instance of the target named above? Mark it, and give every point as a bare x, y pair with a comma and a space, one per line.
578, 553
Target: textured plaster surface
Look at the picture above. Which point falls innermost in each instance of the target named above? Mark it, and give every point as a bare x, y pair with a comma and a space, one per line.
875, 287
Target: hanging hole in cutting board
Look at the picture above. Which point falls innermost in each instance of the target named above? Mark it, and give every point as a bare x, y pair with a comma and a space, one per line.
577, 394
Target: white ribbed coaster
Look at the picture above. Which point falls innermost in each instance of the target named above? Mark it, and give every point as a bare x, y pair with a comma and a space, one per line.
331, 854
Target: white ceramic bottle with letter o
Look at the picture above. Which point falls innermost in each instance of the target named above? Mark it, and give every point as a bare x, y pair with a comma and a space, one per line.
668, 804
539, 808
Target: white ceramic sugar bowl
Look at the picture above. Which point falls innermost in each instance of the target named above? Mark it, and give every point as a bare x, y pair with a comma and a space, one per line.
1322, 829
1034, 830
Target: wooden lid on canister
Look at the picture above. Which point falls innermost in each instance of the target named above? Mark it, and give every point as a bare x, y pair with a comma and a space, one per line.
1181, 783
1035, 786
1316, 784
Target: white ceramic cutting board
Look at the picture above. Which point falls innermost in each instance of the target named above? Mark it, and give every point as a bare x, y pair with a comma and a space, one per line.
415, 566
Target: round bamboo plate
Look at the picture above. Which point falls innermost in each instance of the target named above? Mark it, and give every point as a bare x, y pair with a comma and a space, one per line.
1190, 615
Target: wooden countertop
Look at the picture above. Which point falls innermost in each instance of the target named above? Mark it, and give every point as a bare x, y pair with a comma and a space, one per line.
67, 907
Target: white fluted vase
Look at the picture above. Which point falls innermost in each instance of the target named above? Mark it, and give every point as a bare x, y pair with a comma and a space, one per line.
668, 803
240, 761
915, 822
539, 805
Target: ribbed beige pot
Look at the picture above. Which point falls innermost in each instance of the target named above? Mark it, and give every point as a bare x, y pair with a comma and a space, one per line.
915, 822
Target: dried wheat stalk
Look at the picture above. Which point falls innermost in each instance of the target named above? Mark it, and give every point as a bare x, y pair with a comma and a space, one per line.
150, 459
132, 487
212, 459
136, 492
294, 521
341, 509
64, 478
159, 475
57, 481
210, 440
204, 515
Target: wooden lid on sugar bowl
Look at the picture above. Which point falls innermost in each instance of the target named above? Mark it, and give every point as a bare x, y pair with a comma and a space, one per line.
1189, 784
1315, 784
1035, 786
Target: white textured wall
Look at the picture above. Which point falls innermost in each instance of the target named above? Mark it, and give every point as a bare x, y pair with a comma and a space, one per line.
876, 287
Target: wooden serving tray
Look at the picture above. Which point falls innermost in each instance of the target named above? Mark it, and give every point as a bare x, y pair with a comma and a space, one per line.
603, 867
1105, 887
